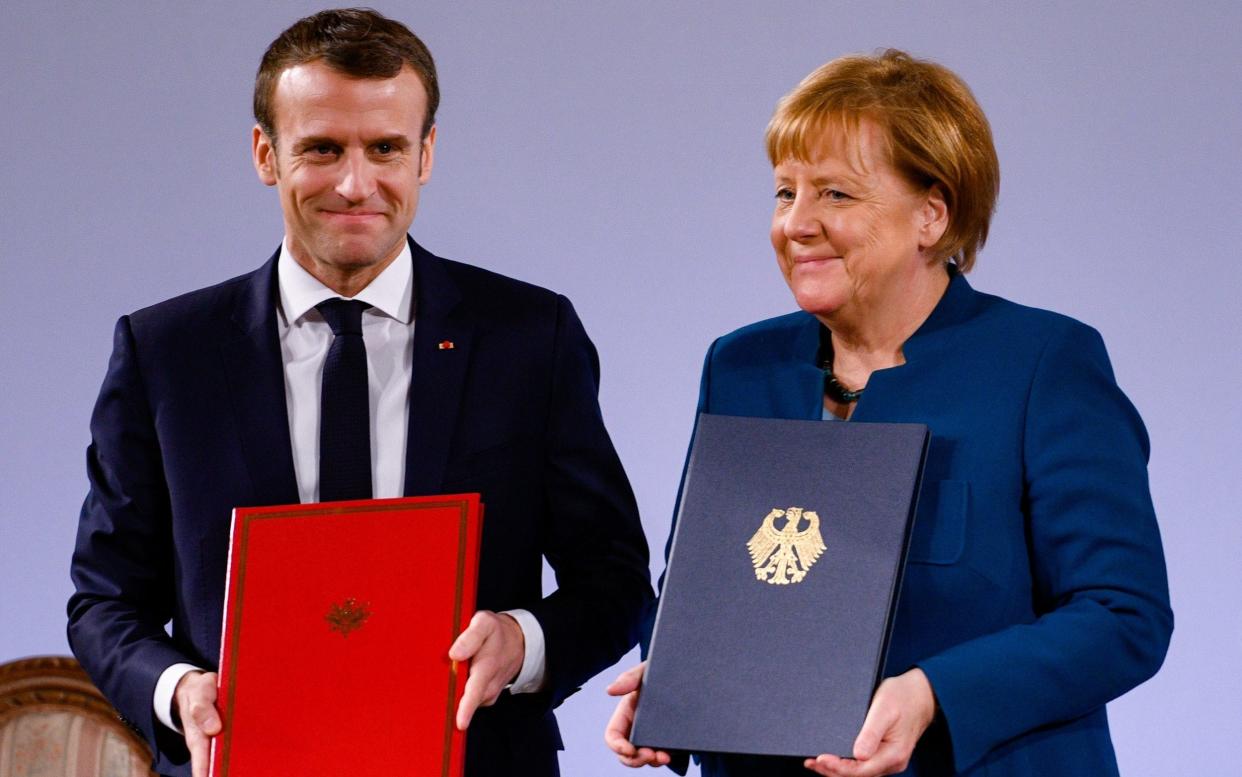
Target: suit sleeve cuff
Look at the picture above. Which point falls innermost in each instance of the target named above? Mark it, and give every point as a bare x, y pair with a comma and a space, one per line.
164, 689
534, 662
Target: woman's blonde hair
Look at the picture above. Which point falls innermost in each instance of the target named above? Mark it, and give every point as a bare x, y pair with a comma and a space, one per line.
935, 130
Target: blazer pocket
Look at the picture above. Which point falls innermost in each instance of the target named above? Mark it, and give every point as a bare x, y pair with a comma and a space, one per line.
939, 535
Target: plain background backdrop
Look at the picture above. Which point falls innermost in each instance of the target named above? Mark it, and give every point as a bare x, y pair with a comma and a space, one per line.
613, 152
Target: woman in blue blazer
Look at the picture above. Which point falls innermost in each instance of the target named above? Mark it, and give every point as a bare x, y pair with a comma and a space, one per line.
1035, 590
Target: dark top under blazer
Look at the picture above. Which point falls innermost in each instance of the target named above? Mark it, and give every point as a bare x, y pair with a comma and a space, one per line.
191, 421
1036, 588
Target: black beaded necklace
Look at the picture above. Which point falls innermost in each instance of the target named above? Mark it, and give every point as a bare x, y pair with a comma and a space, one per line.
832, 386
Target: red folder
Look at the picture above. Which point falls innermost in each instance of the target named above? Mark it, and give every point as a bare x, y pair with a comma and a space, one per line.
337, 623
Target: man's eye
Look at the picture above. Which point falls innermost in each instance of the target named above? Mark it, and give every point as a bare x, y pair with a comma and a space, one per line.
322, 149
384, 148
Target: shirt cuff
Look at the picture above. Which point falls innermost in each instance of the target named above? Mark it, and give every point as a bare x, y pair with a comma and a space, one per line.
164, 689
535, 661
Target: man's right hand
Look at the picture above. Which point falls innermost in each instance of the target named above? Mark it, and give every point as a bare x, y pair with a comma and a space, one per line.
194, 703
617, 733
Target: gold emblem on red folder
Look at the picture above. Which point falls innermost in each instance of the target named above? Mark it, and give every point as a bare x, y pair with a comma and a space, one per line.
349, 615
783, 556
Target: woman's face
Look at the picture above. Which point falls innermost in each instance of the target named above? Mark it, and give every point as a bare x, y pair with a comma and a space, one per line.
850, 233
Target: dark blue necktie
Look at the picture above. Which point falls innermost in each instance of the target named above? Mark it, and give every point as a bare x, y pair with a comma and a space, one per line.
344, 406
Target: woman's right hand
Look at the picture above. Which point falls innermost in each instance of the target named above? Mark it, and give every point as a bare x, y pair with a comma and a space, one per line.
617, 733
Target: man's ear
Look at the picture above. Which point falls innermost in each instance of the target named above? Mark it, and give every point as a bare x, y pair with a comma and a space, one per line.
427, 155
264, 153
933, 218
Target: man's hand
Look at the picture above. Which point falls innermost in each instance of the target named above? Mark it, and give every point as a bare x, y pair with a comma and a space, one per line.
902, 709
495, 646
194, 703
617, 732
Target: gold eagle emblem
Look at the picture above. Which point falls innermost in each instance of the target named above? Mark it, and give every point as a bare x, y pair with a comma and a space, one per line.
783, 556
348, 616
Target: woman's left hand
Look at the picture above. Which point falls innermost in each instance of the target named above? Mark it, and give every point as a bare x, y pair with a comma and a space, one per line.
902, 709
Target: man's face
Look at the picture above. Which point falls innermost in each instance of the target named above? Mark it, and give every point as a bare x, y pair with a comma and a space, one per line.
349, 162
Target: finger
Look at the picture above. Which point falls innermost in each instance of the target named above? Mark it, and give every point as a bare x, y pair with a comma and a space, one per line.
838, 768
878, 724
654, 757
830, 765
469, 641
199, 749
629, 680
486, 670
867, 744
617, 732
211, 723
833, 766
645, 756
465, 711
633, 762
473, 694
616, 736
208, 721
492, 686
815, 766
201, 714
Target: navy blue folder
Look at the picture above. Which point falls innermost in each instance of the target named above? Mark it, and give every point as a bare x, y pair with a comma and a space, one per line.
783, 576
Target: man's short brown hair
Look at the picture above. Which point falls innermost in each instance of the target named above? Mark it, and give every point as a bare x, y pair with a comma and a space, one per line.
935, 131
357, 42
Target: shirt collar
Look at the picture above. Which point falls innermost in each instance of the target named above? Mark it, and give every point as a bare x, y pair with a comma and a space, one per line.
390, 293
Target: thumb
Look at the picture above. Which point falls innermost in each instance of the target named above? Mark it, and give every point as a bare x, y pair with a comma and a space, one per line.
879, 719
866, 744
469, 641
627, 681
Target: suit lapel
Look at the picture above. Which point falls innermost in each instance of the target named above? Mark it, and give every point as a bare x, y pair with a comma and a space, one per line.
256, 382
442, 343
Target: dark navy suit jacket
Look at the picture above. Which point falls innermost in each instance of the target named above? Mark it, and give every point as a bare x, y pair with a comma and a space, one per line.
191, 422
1036, 588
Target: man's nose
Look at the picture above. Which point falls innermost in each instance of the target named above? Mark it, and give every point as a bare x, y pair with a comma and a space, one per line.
357, 182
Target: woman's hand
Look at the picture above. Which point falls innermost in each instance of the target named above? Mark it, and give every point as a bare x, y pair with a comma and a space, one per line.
617, 733
901, 711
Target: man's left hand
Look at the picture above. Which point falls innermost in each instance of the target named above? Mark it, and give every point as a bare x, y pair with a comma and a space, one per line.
495, 647
902, 709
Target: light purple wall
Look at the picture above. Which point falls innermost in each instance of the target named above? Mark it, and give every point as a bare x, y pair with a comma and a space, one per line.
614, 153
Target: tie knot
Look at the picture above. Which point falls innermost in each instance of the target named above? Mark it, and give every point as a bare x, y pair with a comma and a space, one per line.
343, 315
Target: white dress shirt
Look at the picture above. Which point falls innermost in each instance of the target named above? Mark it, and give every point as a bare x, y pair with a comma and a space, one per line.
388, 332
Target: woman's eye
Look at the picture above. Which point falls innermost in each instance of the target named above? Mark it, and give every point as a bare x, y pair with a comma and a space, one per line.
784, 195
835, 195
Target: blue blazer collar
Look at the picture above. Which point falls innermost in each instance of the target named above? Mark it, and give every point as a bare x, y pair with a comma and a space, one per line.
954, 307
798, 371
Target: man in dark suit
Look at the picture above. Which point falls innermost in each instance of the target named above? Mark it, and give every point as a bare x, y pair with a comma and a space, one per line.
354, 364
